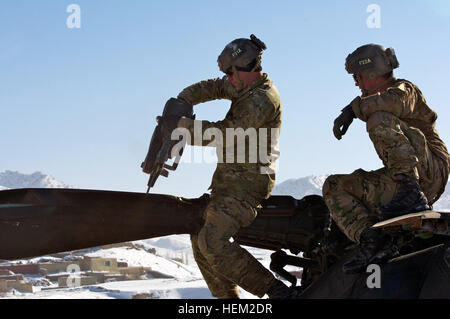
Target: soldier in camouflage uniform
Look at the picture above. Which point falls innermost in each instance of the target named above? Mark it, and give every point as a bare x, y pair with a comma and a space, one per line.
237, 187
416, 163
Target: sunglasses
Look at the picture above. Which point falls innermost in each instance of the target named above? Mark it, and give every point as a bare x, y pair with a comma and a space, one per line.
229, 72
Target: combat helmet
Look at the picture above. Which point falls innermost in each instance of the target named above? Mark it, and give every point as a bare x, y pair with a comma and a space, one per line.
242, 55
371, 61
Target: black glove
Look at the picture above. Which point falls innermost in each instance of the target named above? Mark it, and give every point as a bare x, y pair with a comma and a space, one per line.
343, 122
168, 124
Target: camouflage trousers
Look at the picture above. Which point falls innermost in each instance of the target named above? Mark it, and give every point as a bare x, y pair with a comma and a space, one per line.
353, 199
224, 264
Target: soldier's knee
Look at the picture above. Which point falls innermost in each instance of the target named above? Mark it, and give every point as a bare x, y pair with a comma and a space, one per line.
344, 183
330, 185
380, 119
212, 241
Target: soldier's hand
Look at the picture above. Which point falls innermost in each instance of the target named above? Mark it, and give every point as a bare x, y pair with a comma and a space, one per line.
168, 124
343, 122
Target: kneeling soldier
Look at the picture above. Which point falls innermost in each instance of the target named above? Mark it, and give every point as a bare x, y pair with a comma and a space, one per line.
416, 162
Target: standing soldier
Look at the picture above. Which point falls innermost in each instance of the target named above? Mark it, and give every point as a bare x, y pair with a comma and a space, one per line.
237, 187
416, 162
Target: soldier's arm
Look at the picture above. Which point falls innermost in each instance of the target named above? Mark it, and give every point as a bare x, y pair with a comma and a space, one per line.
251, 115
254, 113
208, 90
197, 130
399, 101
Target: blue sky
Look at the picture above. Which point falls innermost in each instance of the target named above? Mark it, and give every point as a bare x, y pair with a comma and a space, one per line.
80, 104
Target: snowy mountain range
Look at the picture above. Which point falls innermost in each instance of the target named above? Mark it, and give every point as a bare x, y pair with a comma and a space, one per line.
444, 202
300, 187
312, 185
10, 179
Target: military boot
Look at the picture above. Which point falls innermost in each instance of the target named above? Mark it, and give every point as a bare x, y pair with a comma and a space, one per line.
280, 291
408, 199
375, 248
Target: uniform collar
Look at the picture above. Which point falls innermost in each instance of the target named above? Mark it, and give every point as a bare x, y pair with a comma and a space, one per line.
258, 82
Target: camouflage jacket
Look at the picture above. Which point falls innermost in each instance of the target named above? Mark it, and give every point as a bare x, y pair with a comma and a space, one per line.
404, 100
246, 167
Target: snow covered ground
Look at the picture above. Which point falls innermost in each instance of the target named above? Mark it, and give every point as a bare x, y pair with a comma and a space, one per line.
171, 256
